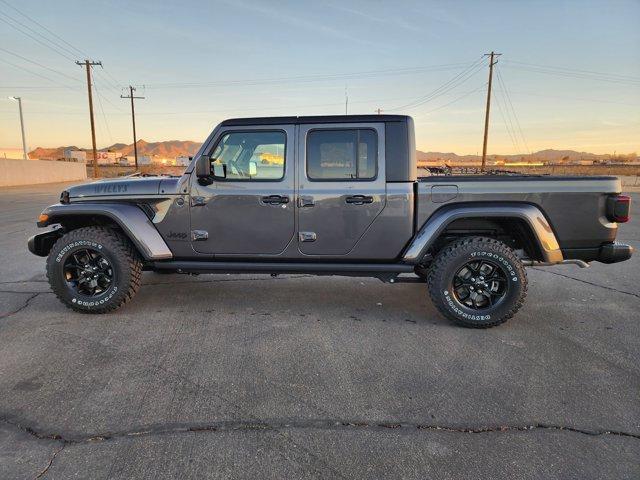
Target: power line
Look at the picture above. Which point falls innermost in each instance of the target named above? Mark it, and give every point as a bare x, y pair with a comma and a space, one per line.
507, 126
577, 71
464, 95
583, 99
449, 85
513, 110
308, 78
35, 73
104, 117
44, 28
116, 82
64, 55
38, 64
106, 99
58, 44
581, 76
442, 88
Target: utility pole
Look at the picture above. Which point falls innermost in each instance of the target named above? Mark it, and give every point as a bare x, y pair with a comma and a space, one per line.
88, 64
378, 111
346, 101
24, 142
486, 116
133, 118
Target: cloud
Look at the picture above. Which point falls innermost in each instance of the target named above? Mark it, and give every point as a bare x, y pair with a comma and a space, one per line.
296, 21
396, 21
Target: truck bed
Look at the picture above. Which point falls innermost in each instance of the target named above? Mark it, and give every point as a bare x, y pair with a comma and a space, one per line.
574, 206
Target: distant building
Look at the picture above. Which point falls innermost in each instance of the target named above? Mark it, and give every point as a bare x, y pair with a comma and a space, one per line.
73, 155
107, 158
142, 160
183, 161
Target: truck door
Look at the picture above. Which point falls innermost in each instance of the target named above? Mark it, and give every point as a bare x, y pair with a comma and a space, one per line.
341, 185
249, 207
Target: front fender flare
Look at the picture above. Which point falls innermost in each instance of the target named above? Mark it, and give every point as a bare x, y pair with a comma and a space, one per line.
133, 221
438, 222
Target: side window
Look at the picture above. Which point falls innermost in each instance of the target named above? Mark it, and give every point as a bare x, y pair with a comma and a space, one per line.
250, 156
342, 154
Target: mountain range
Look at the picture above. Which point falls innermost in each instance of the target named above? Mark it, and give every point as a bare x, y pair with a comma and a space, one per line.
167, 149
175, 148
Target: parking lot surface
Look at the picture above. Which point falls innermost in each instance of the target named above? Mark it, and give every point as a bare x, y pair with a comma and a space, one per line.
222, 376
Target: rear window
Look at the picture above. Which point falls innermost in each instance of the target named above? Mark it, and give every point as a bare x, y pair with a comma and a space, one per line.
342, 154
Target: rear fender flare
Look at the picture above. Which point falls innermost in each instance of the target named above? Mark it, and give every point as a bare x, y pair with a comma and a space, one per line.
437, 223
130, 218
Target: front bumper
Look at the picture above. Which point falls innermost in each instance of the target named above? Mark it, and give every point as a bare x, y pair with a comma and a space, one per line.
614, 253
41, 243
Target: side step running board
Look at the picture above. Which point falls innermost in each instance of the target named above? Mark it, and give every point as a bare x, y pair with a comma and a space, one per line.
348, 269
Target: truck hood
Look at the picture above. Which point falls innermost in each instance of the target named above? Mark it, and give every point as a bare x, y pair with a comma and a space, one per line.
126, 187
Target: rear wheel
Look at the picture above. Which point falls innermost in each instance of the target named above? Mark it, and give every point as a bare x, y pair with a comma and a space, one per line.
94, 270
477, 282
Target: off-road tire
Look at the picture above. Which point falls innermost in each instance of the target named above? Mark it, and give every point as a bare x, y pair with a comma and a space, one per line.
453, 257
116, 248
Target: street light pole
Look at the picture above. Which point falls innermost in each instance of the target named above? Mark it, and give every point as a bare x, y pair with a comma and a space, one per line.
24, 142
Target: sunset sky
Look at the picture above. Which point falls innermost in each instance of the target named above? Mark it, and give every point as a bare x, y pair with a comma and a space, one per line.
571, 69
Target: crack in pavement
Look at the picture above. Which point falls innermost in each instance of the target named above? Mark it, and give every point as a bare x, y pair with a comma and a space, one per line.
53, 457
318, 424
34, 294
587, 282
23, 306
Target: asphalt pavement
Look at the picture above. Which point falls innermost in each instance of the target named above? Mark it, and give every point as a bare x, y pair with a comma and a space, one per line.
227, 376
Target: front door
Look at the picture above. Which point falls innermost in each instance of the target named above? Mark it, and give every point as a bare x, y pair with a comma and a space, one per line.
249, 207
342, 186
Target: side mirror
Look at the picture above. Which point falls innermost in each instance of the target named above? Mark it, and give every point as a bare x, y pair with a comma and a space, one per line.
203, 167
219, 170
253, 169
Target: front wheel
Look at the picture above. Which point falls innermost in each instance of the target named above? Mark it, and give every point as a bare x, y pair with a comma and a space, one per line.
477, 282
94, 269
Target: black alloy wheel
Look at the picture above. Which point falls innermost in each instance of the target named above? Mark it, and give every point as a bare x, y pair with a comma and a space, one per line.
88, 272
480, 284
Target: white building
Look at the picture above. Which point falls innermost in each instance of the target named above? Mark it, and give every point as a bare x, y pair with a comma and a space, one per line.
183, 161
75, 155
142, 160
107, 158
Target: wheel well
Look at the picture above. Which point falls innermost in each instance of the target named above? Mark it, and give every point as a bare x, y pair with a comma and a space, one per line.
73, 222
515, 232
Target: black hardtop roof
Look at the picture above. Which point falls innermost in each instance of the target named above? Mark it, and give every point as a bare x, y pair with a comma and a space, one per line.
316, 119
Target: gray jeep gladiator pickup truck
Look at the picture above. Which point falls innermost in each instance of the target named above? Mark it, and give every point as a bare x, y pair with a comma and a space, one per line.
332, 195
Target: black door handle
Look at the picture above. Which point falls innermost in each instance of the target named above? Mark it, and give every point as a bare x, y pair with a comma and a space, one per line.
359, 199
275, 199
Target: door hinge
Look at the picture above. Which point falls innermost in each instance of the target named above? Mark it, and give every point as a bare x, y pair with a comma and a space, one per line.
307, 236
197, 235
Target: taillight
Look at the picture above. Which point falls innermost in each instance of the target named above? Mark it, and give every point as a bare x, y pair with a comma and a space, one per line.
618, 208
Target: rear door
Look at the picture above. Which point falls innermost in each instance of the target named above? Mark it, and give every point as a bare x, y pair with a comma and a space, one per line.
341, 185
250, 211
